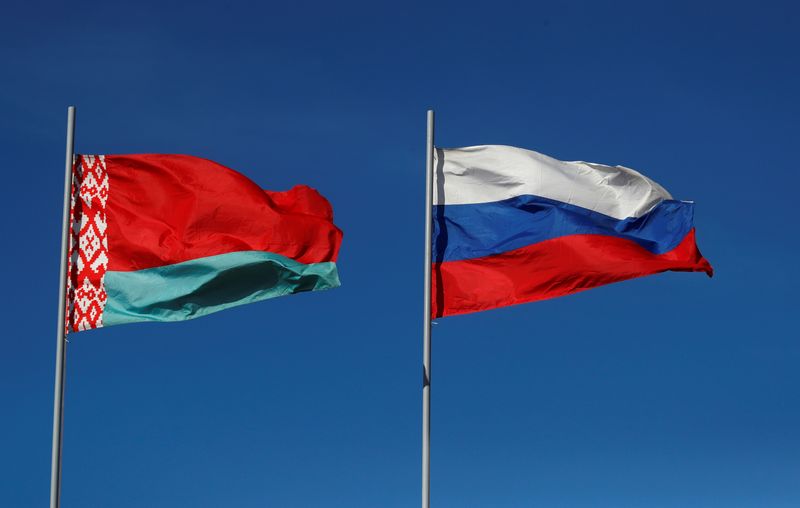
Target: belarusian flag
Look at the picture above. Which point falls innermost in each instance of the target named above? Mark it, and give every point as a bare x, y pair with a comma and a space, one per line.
174, 237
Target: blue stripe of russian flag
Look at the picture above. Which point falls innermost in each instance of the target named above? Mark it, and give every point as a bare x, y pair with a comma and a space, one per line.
467, 231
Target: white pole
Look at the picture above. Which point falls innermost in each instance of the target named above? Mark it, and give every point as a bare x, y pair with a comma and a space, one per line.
426, 329
61, 343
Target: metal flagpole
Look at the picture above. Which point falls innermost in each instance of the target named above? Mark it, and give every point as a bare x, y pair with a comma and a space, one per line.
61, 342
426, 330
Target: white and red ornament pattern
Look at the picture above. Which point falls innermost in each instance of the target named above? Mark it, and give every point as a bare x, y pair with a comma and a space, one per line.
88, 249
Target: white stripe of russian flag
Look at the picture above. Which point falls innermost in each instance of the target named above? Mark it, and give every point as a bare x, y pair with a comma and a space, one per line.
480, 174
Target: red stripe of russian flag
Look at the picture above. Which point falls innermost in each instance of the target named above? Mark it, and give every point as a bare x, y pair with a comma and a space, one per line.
552, 268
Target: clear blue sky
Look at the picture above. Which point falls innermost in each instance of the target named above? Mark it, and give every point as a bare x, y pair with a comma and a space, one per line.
669, 391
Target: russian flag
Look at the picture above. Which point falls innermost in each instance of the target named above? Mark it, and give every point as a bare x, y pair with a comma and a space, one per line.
514, 226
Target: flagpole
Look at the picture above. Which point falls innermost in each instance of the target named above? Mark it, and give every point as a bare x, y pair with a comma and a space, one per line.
61, 342
426, 329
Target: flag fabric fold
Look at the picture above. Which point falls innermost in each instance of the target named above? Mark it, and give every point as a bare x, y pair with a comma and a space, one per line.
514, 226
173, 237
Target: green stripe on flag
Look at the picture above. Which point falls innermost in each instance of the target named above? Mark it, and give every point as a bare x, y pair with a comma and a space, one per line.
201, 286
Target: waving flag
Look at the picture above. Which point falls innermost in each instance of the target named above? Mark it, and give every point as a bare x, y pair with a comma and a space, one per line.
174, 237
514, 226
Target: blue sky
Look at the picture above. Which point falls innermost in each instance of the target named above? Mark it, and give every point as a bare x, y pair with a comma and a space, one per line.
669, 391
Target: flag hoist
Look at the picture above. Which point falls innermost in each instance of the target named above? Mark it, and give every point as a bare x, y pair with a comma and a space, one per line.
61, 335
426, 320
155, 237
505, 226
